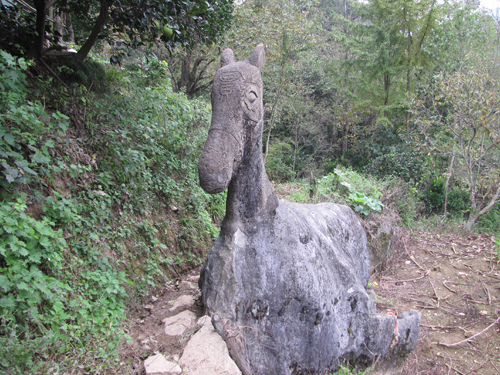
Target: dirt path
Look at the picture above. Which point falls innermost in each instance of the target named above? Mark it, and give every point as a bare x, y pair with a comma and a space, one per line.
147, 329
453, 281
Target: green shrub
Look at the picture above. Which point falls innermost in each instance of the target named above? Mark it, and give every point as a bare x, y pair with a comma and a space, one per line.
27, 132
490, 221
458, 202
357, 190
27, 248
364, 192
434, 195
279, 162
51, 301
405, 165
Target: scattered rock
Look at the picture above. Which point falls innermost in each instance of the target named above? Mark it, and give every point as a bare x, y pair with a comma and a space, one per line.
182, 301
206, 353
158, 365
176, 325
186, 285
194, 278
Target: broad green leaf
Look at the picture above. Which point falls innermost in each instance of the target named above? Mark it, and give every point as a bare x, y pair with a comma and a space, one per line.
7, 302
45, 241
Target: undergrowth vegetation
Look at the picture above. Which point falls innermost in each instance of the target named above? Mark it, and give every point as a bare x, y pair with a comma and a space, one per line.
99, 203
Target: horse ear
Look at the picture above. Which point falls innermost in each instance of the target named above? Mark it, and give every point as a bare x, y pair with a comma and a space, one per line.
227, 57
258, 57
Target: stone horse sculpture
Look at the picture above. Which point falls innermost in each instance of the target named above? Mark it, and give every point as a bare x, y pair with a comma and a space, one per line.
284, 283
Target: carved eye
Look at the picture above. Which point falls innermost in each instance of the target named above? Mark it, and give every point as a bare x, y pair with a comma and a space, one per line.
251, 96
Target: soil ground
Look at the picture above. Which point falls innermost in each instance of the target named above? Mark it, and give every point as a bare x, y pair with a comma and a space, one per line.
454, 281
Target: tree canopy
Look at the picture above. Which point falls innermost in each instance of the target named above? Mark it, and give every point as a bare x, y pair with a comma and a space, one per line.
174, 22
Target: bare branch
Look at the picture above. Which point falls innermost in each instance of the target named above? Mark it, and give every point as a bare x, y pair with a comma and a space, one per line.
470, 338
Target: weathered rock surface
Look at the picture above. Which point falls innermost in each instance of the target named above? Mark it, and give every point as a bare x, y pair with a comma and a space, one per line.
206, 353
383, 239
292, 288
182, 301
176, 325
158, 365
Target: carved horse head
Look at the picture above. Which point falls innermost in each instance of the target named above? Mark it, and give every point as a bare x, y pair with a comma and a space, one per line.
237, 118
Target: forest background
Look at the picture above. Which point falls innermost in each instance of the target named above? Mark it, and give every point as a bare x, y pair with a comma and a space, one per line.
389, 106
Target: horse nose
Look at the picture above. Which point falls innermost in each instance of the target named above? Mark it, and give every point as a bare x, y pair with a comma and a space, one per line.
222, 177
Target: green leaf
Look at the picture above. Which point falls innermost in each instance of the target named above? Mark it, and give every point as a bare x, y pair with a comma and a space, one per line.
22, 286
5, 284
9, 138
7, 302
9, 59
45, 242
63, 126
35, 256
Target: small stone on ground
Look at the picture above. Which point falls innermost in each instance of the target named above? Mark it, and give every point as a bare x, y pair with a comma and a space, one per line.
176, 325
182, 301
186, 285
206, 353
158, 365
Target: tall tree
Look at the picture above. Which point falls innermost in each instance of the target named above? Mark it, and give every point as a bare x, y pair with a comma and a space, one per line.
392, 43
460, 118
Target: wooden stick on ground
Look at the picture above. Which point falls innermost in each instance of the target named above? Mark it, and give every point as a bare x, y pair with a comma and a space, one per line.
440, 327
404, 281
413, 258
454, 369
447, 287
470, 338
487, 292
494, 366
435, 293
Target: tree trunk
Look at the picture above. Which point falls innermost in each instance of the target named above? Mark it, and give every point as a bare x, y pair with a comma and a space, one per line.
101, 21
312, 185
185, 71
296, 147
344, 137
447, 185
387, 85
473, 217
271, 122
41, 10
69, 26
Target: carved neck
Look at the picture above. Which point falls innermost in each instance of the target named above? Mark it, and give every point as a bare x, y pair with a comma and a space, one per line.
250, 193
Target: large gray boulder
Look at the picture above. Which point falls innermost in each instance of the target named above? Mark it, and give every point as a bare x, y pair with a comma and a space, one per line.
285, 283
